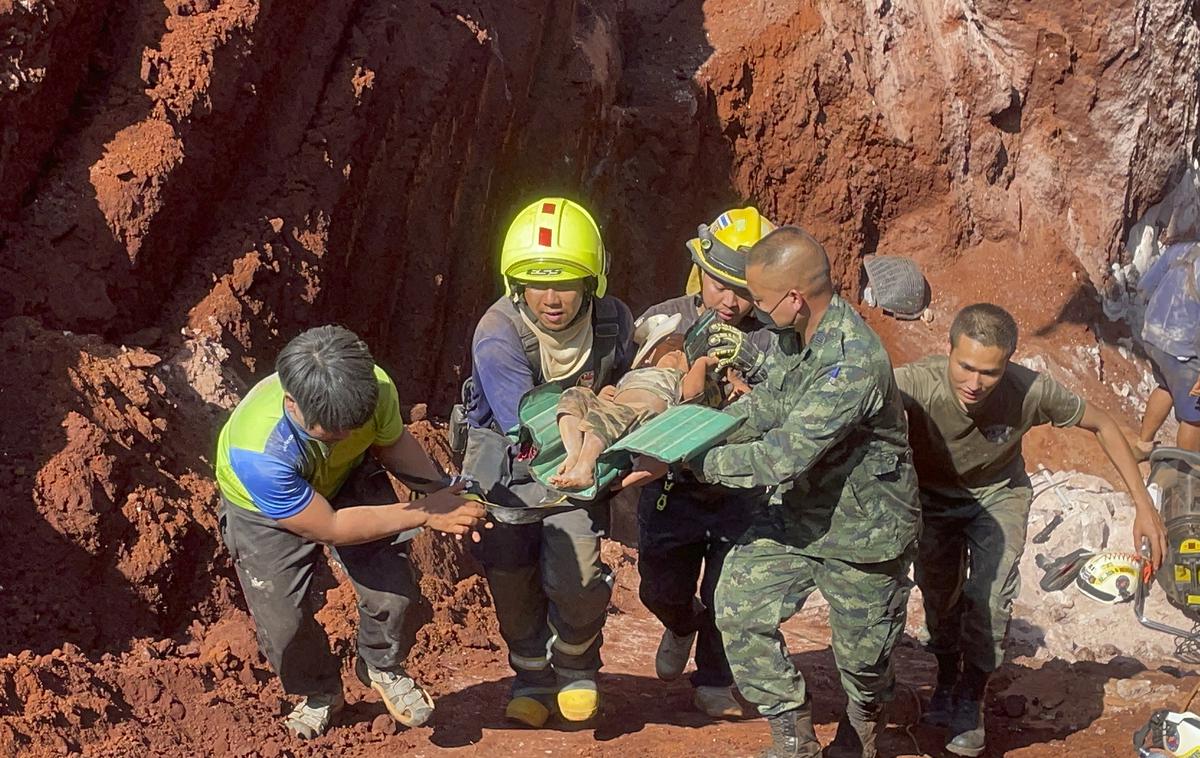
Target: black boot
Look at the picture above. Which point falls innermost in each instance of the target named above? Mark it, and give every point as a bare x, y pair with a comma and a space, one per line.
792, 735
940, 708
856, 734
966, 734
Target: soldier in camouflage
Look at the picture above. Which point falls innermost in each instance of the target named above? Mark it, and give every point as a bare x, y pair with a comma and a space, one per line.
827, 429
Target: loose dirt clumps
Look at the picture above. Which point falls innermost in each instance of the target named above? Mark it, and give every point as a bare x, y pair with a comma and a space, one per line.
108, 523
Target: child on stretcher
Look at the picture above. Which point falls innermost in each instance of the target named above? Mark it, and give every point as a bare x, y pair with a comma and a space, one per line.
590, 422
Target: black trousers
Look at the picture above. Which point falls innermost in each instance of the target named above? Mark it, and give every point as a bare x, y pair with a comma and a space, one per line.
686, 529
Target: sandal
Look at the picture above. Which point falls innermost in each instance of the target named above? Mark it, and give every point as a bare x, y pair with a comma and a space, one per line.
410, 705
312, 716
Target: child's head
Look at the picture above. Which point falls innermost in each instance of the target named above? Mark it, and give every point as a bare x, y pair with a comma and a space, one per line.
664, 350
649, 332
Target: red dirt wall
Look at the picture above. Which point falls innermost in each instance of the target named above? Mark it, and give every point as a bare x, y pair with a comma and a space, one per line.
184, 184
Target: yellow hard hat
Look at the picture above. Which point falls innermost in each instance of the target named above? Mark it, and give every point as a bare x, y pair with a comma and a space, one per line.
553, 240
716, 249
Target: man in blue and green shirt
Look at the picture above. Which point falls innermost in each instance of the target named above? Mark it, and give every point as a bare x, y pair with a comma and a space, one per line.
294, 473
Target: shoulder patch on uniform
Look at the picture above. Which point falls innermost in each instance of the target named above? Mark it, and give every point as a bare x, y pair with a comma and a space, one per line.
819, 339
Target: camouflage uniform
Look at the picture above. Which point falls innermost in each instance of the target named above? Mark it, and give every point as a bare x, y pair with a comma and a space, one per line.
828, 429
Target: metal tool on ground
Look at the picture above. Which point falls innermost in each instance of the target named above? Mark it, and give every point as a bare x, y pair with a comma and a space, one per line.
1055, 486
1059, 573
1044, 534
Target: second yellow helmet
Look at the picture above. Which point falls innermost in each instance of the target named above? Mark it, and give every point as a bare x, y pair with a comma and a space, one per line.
717, 247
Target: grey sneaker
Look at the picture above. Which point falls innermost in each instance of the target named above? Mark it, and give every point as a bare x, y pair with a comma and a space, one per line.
403, 697
673, 655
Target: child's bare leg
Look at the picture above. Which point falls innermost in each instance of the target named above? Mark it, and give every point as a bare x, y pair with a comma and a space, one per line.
568, 428
582, 473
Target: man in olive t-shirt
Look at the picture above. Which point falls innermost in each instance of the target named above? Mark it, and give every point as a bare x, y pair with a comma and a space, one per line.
968, 413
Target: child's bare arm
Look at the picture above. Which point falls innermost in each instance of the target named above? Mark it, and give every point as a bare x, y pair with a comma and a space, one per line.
693, 380
737, 384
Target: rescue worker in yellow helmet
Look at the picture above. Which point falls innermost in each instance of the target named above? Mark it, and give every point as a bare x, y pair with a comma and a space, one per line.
554, 323
687, 528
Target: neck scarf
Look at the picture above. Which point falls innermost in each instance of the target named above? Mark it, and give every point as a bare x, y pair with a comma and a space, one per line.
563, 352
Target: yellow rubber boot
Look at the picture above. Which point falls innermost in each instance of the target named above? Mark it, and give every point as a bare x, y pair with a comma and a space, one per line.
528, 711
579, 700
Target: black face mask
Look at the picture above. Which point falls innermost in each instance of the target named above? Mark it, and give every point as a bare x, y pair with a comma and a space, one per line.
769, 321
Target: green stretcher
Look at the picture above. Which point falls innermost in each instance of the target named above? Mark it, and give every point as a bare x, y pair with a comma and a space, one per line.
675, 435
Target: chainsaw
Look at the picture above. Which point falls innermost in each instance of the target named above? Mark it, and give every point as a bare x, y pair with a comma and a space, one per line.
1174, 486
1169, 735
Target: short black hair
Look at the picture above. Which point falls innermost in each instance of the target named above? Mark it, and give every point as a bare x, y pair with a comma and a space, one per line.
989, 325
794, 254
330, 374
